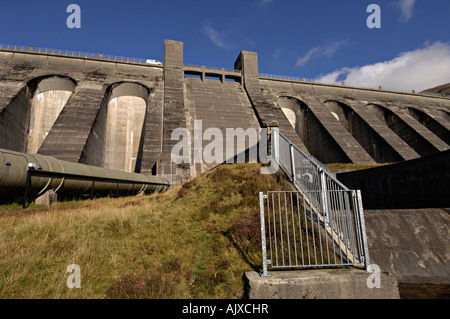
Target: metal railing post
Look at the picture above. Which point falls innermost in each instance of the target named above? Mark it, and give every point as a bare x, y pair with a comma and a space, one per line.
264, 273
291, 147
275, 145
323, 194
363, 230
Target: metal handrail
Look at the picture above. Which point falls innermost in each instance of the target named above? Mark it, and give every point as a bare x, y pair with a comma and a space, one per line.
75, 53
305, 160
325, 199
314, 81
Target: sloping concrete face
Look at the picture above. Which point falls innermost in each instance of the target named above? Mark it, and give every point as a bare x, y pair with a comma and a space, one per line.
410, 127
374, 135
417, 136
265, 107
117, 134
45, 109
225, 108
412, 245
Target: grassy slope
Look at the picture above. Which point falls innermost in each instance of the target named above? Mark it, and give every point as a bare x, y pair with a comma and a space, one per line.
441, 89
334, 168
193, 242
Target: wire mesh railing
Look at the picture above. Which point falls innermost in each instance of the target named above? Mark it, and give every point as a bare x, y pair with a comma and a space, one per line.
319, 225
298, 237
305, 171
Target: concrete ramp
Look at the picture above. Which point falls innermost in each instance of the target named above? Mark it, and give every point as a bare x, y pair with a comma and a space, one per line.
413, 245
219, 106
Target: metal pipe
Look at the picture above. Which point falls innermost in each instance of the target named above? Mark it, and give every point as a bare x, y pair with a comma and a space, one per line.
48, 173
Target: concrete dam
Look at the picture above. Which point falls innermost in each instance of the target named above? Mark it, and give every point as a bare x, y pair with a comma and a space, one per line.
121, 114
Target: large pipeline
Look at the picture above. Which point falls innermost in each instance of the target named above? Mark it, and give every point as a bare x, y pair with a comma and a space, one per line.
68, 178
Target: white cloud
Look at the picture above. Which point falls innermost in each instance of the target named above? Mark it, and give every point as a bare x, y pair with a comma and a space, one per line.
328, 51
264, 3
277, 54
407, 9
413, 70
217, 37
305, 59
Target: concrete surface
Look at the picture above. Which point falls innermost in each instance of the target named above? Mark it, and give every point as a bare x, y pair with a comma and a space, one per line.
413, 125
348, 283
412, 245
419, 183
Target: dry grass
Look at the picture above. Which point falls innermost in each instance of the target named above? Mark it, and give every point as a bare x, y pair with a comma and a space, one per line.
194, 241
334, 168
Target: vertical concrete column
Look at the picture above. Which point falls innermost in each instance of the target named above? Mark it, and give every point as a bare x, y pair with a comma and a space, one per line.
174, 108
247, 62
222, 76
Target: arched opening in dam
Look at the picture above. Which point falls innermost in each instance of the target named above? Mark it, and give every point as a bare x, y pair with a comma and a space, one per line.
311, 131
28, 118
116, 140
125, 121
50, 97
363, 133
408, 134
432, 124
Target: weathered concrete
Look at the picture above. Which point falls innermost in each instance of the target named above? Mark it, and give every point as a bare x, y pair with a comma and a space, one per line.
412, 245
419, 183
219, 105
336, 131
434, 121
372, 133
45, 109
347, 283
266, 111
174, 109
418, 126
417, 136
117, 133
375, 136
68, 138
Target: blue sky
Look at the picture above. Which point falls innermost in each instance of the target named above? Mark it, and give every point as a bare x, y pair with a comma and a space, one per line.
324, 39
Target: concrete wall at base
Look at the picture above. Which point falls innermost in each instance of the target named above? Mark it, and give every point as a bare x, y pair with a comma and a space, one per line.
347, 283
419, 183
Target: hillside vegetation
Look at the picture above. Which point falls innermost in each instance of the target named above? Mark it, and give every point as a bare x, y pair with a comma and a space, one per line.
194, 241
441, 89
